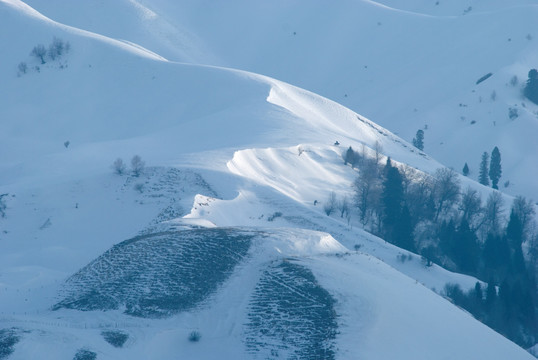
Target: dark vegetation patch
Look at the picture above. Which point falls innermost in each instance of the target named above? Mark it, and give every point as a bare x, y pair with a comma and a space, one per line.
291, 316
159, 274
8, 339
115, 338
195, 336
84, 354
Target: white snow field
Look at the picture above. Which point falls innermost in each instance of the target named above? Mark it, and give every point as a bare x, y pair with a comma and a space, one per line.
406, 64
225, 151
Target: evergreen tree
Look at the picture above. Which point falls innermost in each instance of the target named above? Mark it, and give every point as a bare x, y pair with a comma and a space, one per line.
514, 237
465, 249
496, 255
483, 174
418, 140
495, 170
514, 230
403, 230
392, 200
349, 158
465, 170
531, 89
491, 294
478, 293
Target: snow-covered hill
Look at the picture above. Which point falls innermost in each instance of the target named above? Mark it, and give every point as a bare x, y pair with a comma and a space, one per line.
356, 53
239, 153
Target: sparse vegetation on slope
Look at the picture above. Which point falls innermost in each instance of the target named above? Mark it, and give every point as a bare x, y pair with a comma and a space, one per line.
159, 274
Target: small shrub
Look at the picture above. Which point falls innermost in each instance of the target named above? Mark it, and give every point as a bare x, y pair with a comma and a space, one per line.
513, 113
84, 354
23, 67
274, 216
194, 336
115, 338
139, 187
403, 258
3, 205
66, 144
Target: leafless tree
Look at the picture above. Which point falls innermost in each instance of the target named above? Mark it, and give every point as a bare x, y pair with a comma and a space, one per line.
137, 165
471, 207
39, 52
330, 204
446, 190
343, 206
493, 212
118, 166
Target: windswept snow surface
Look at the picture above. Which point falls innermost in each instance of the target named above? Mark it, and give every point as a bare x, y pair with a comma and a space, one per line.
223, 149
407, 64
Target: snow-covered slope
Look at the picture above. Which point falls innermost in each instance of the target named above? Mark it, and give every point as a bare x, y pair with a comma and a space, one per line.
356, 53
223, 149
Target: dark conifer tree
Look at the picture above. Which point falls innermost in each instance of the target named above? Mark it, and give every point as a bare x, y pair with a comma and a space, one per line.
465, 250
496, 255
403, 230
531, 89
495, 170
349, 158
484, 169
491, 294
465, 170
392, 200
418, 140
514, 230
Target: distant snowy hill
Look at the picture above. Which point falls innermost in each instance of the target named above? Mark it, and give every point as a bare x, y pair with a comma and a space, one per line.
356, 53
236, 166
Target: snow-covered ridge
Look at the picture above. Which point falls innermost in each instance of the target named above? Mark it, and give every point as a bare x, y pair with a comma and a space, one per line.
224, 148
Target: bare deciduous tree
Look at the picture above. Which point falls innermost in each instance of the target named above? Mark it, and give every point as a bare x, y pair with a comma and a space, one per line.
471, 206
330, 204
118, 166
343, 206
137, 165
493, 212
446, 190
39, 52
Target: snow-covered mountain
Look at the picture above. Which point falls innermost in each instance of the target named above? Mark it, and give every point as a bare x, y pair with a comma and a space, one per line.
408, 65
222, 233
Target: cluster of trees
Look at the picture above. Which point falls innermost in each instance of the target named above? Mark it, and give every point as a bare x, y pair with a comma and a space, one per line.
137, 166
433, 216
490, 169
54, 51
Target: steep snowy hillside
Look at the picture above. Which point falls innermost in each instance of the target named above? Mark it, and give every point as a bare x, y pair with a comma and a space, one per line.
218, 246
356, 53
